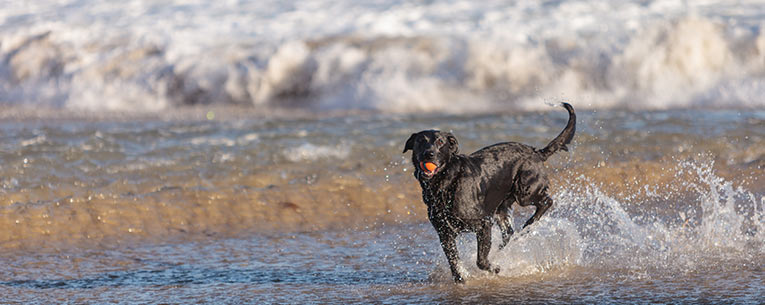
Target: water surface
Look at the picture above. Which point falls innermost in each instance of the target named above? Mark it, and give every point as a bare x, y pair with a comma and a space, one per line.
660, 207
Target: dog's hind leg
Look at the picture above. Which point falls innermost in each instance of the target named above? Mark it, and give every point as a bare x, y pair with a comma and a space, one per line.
503, 220
531, 189
540, 200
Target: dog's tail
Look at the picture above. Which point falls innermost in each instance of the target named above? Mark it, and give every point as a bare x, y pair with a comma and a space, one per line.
563, 139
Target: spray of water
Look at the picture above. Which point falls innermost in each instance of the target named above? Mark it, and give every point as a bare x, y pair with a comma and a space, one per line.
714, 224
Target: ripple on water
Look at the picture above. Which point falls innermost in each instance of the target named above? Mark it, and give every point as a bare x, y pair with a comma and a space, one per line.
112, 211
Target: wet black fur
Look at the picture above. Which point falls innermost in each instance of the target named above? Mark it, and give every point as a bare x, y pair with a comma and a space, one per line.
466, 193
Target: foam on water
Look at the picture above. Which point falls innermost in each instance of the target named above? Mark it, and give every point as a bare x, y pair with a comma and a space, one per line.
720, 227
310, 152
390, 56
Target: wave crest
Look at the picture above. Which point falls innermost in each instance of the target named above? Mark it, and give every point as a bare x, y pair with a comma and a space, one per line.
670, 60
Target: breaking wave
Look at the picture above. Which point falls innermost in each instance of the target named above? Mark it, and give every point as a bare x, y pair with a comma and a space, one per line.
392, 56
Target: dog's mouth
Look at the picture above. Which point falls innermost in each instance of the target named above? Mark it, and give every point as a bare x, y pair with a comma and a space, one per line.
428, 168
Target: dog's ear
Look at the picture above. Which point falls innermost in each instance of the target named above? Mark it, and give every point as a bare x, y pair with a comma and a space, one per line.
454, 146
409, 143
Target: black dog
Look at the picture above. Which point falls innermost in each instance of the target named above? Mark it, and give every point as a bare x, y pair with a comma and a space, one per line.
465, 192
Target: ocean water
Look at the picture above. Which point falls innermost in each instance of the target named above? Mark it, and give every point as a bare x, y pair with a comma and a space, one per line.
650, 207
250, 151
393, 56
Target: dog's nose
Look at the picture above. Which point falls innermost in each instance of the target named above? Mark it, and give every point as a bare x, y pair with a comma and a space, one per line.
430, 154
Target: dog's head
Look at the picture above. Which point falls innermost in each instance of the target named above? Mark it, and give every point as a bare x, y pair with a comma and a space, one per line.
431, 151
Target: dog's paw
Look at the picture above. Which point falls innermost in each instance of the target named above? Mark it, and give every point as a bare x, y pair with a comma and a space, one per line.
503, 243
492, 269
489, 267
505, 239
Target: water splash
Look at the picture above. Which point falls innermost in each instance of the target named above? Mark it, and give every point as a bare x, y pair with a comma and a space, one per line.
716, 224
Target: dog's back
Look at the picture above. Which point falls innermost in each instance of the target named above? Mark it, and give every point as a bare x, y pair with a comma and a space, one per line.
510, 169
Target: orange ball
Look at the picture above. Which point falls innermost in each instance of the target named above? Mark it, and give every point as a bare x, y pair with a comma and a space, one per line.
430, 166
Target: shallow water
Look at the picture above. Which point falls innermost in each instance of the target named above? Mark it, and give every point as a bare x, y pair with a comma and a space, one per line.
650, 207
398, 264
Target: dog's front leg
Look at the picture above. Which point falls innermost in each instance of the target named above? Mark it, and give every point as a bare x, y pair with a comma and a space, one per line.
484, 245
450, 250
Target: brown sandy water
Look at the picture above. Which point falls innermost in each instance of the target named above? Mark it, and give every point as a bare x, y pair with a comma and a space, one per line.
650, 207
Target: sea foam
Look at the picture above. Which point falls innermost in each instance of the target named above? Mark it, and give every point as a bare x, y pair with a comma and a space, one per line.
391, 56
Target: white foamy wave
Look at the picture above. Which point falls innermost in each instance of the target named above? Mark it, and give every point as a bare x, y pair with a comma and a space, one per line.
389, 56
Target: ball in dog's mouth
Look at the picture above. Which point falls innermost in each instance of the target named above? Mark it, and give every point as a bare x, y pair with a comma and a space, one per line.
429, 168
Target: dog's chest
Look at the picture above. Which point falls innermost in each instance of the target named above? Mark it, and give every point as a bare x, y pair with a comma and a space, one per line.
446, 210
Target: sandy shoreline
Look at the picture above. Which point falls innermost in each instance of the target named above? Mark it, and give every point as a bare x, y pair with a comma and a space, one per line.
266, 204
